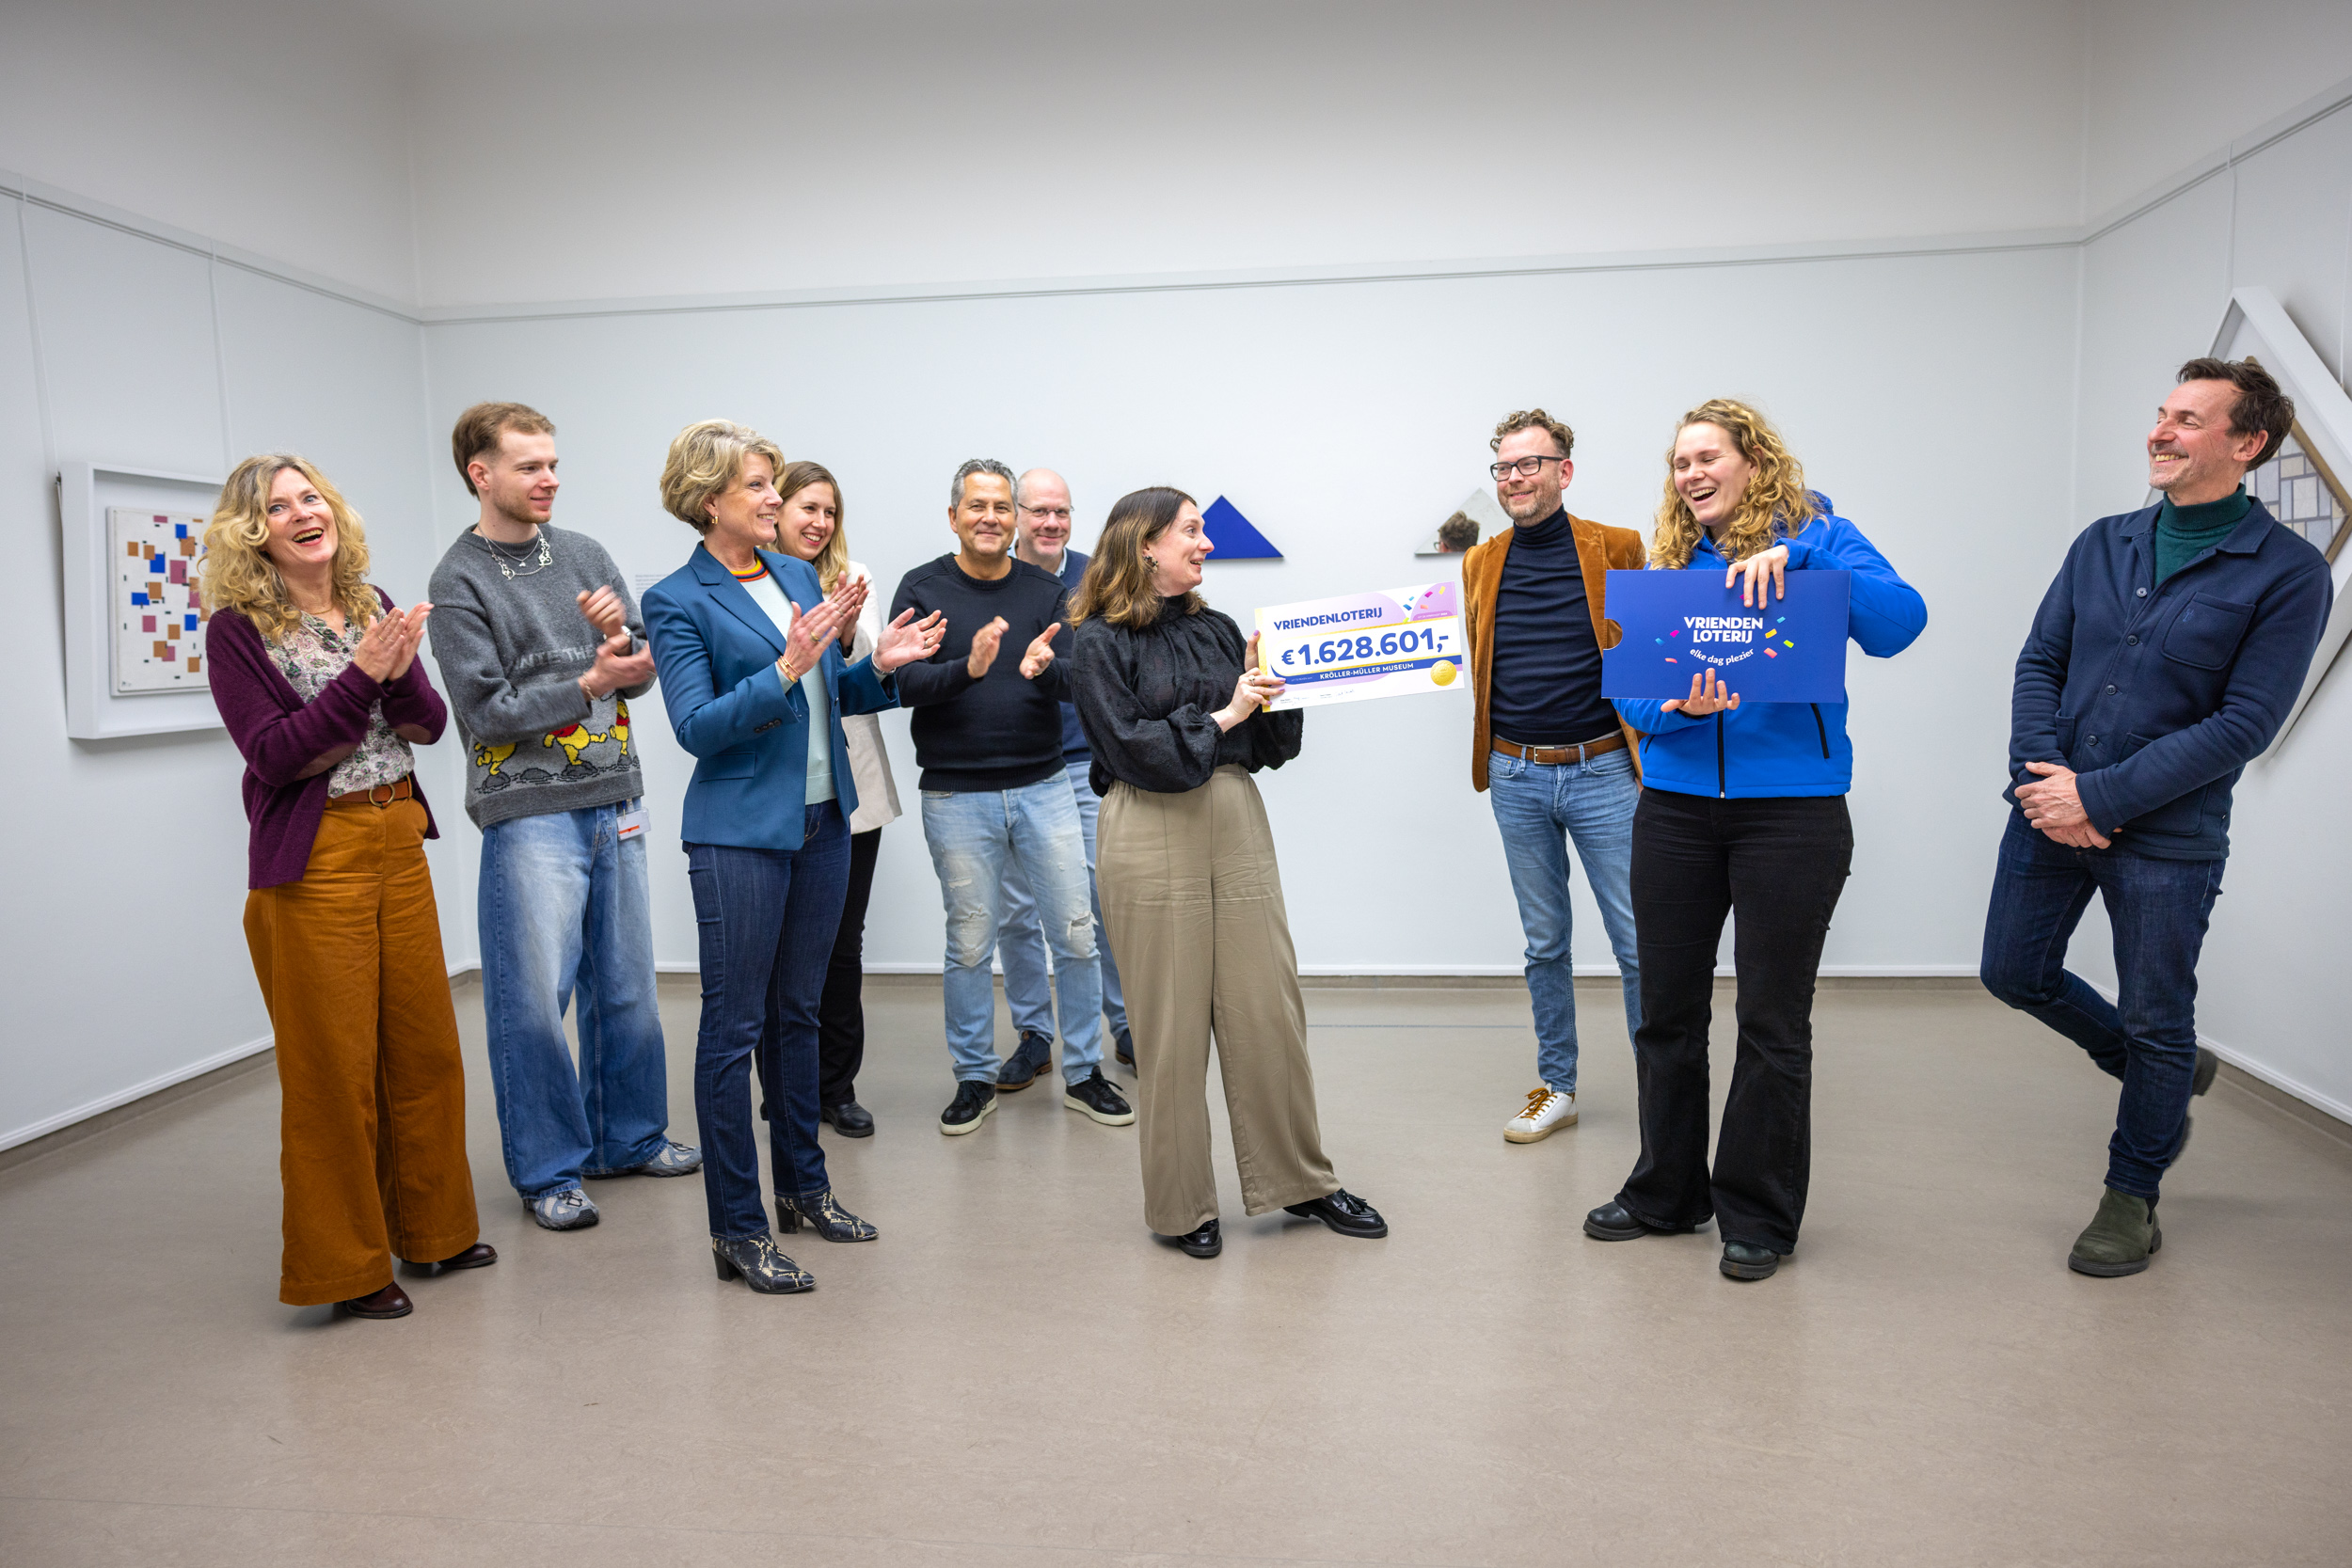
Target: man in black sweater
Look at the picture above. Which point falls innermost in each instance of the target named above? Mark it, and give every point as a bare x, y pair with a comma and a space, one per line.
988, 736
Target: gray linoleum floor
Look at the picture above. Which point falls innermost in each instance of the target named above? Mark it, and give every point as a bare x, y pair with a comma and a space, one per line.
1015, 1374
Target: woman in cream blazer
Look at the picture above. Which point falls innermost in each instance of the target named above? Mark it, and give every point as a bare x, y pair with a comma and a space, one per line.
812, 529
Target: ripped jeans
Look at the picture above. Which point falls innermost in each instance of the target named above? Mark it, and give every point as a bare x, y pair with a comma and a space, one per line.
972, 834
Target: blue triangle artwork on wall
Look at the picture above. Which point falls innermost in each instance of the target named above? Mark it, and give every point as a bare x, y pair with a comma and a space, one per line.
1235, 536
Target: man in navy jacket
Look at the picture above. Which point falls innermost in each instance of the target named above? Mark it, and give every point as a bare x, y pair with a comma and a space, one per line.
2163, 659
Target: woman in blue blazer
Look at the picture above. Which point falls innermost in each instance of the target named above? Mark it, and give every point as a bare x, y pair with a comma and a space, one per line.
744, 642
1742, 814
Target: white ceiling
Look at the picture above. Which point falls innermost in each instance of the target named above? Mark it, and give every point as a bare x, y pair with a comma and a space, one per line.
456, 152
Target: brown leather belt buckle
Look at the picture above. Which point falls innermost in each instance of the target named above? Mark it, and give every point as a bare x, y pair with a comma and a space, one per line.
397, 790
1560, 756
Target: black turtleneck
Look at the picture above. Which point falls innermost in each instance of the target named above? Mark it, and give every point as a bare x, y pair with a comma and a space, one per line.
1547, 665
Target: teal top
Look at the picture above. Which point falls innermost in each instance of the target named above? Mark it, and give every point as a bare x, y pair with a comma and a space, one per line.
2184, 531
780, 611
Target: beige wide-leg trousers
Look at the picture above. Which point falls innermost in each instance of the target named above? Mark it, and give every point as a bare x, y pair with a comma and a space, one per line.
1192, 901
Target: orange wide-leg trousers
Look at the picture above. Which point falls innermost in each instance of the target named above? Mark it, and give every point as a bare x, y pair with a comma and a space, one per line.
372, 1136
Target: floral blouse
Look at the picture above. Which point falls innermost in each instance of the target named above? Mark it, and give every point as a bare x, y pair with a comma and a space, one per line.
312, 655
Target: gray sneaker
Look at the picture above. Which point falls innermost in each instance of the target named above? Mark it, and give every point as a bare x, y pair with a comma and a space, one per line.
673, 1159
565, 1209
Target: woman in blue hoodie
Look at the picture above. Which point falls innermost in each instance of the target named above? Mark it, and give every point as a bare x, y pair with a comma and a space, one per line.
1742, 812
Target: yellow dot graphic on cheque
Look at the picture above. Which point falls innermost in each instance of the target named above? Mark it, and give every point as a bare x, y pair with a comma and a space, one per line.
1442, 673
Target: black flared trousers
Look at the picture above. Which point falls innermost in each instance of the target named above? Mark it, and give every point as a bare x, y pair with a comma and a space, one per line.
1777, 866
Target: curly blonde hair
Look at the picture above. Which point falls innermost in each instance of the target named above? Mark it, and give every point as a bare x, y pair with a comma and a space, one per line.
1775, 506
237, 573
706, 457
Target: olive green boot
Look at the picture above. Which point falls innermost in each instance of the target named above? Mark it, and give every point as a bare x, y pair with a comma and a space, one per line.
2118, 1239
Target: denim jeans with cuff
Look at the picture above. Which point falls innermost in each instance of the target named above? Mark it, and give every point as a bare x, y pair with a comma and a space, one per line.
1020, 945
1540, 808
565, 918
975, 837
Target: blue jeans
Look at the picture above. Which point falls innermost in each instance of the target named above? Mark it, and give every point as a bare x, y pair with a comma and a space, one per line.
1540, 808
2159, 910
1020, 945
975, 837
565, 913
767, 920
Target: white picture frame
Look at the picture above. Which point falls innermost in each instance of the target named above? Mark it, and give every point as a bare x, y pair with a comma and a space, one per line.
86, 494
2256, 324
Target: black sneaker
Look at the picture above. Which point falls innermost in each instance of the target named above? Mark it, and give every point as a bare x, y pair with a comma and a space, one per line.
1094, 1097
973, 1102
2207, 1065
1034, 1055
1125, 1050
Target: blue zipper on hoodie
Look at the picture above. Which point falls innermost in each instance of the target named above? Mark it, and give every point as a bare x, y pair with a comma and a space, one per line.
1764, 749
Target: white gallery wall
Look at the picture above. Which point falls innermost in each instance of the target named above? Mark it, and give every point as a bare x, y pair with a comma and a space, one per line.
2276, 993
126, 956
1220, 247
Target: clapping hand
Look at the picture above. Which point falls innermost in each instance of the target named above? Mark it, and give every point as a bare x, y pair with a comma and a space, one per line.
1770, 564
983, 654
1706, 697
389, 646
907, 640
1041, 653
603, 609
816, 628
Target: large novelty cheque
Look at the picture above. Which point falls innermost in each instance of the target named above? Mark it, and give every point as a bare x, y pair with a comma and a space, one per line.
1395, 642
1678, 624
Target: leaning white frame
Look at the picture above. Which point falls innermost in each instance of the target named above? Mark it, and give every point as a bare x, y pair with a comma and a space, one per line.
2257, 323
93, 710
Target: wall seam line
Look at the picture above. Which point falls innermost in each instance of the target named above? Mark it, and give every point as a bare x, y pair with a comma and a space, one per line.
31, 327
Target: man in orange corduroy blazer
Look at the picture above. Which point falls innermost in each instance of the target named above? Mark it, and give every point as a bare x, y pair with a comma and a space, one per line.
1546, 745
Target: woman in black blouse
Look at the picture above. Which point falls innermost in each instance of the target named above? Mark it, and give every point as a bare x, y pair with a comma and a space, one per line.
1191, 896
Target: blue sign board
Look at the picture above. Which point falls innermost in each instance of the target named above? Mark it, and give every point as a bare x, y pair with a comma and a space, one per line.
1678, 625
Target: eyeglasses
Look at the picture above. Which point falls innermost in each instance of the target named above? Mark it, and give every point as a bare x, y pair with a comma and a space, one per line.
1044, 511
1526, 467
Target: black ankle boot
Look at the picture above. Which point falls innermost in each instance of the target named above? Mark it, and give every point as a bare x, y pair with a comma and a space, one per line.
1745, 1260
825, 1216
755, 1262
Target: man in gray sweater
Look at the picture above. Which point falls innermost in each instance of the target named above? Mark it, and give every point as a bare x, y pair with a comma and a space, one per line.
540, 647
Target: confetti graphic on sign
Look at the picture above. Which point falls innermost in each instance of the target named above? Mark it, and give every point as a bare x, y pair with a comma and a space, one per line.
155, 589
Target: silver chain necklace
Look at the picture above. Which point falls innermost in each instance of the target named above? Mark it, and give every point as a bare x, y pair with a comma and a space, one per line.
508, 562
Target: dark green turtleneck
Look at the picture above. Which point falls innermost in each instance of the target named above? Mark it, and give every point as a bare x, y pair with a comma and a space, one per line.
2181, 532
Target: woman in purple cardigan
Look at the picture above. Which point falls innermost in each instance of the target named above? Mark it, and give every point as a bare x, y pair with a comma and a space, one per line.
316, 676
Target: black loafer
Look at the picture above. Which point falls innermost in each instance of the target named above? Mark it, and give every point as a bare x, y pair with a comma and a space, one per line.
1345, 1212
1614, 1222
850, 1118
1743, 1261
478, 1256
1207, 1242
1034, 1054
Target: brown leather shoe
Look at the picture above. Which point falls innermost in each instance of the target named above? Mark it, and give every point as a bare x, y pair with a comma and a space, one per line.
478, 1256
389, 1302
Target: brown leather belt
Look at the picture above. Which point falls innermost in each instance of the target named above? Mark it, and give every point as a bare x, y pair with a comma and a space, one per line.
1557, 756
378, 796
